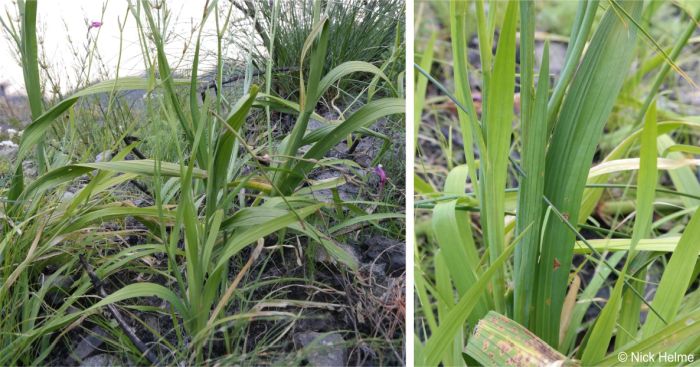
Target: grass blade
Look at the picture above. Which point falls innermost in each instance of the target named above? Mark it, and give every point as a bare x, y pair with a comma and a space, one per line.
573, 55
646, 182
676, 278
602, 332
454, 322
498, 117
530, 205
224, 147
467, 121
421, 86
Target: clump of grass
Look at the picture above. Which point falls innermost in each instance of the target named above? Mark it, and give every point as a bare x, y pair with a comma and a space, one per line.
361, 31
535, 187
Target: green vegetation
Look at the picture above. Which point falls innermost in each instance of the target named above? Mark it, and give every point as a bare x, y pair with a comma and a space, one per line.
360, 31
201, 215
575, 154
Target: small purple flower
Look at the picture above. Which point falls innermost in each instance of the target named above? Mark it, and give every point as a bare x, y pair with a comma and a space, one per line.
379, 170
95, 24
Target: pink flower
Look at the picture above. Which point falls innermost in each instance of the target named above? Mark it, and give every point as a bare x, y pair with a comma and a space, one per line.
379, 170
95, 24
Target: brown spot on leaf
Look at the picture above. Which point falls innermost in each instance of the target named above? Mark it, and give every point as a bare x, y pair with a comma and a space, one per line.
504, 347
557, 264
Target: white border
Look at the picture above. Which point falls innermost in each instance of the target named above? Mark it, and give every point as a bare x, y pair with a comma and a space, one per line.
410, 159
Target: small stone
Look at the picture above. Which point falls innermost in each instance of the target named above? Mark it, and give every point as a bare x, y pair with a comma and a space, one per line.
29, 168
58, 289
101, 360
323, 349
67, 197
89, 344
104, 156
8, 149
557, 56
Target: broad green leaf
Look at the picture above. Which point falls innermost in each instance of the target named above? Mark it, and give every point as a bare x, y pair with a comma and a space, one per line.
628, 164
224, 148
454, 236
307, 99
364, 116
585, 110
253, 216
144, 290
145, 167
347, 68
661, 244
500, 341
498, 122
692, 149
52, 179
579, 35
530, 204
240, 240
444, 293
30, 67
452, 229
421, 186
81, 221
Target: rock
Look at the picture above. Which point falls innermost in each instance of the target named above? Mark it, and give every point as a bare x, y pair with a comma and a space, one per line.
557, 56
323, 349
58, 290
30, 169
88, 345
689, 96
8, 149
317, 321
347, 191
67, 197
314, 124
104, 156
101, 360
381, 249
